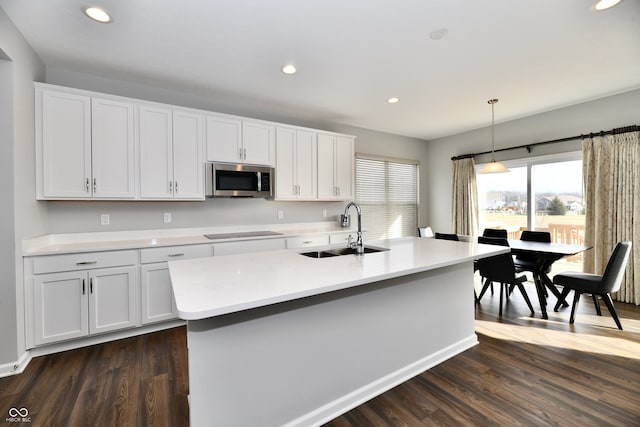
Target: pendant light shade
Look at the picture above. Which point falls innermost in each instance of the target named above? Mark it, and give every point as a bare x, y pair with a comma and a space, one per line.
493, 167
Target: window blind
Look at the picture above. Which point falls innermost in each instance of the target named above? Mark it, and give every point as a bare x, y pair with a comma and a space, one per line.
387, 191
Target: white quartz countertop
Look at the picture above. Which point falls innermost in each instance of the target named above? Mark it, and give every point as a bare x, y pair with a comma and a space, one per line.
207, 287
137, 239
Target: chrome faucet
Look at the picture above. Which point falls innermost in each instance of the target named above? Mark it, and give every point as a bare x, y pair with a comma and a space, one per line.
358, 245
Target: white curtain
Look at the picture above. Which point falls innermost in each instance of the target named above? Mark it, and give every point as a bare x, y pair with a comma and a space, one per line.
464, 200
611, 171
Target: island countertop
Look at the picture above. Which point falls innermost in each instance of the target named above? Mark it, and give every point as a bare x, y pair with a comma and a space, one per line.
214, 286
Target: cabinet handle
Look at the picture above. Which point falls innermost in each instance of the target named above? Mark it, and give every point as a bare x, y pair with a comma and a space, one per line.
175, 187
86, 262
240, 153
306, 242
244, 154
91, 285
95, 185
171, 187
86, 185
175, 255
83, 287
338, 191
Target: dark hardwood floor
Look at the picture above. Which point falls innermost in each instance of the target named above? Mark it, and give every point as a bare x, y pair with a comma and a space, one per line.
525, 371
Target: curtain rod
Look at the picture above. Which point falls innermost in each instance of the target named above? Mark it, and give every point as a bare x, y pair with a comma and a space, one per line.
529, 147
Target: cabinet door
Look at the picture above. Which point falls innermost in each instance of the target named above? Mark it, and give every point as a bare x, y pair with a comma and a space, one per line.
157, 296
112, 299
188, 164
258, 142
112, 149
66, 146
326, 167
224, 138
156, 153
344, 168
60, 306
306, 165
285, 164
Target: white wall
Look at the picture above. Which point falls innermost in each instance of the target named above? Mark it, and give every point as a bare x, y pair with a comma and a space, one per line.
67, 217
20, 215
602, 114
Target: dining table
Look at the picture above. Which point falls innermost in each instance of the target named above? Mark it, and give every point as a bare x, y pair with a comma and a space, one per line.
546, 254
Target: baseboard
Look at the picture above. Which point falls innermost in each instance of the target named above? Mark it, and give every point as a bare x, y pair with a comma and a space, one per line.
344, 404
17, 367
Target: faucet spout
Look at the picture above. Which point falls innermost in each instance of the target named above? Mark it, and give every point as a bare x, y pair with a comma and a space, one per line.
358, 245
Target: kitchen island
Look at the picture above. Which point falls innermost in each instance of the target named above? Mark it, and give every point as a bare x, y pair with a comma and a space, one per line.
278, 338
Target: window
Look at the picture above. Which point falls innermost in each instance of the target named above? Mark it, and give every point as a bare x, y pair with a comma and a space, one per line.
543, 194
387, 191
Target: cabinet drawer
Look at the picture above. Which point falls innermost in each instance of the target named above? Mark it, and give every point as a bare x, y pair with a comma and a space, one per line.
83, 261
306, 241
173, 253
246, 246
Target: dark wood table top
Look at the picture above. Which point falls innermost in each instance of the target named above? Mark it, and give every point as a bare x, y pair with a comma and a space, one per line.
545, 249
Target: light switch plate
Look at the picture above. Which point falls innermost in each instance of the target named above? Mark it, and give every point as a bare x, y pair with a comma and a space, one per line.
167, 217
104, 219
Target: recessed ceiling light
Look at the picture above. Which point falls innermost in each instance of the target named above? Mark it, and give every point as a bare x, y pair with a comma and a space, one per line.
393, 100
289, 69
438, 34
606, 4
97, 14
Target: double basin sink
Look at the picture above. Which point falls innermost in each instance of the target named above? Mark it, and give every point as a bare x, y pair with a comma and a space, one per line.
328, 253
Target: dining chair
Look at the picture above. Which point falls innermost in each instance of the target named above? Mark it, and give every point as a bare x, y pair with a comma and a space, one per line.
495, 232
595, 284
447, 236
425, 232
531, 263
500, 268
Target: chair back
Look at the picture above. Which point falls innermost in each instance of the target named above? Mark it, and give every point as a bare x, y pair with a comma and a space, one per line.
425, 232
495, 232
447, 236
499, 268
536, 236
613, 273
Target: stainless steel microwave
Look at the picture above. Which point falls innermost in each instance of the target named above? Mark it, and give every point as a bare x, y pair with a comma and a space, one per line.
238, 180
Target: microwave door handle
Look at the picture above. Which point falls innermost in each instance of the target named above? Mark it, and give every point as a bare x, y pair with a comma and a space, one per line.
259, 181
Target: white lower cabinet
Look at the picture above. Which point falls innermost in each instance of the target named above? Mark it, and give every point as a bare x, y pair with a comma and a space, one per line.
157, 302
75, 304
307, 241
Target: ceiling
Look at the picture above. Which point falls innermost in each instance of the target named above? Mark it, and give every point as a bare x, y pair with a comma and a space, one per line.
352, 55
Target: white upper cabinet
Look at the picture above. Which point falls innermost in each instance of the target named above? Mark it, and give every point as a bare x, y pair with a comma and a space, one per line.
296, 171
85, 147
240, 141
224, 139
335, 167
156, 152
112, 149
171, 161
63, 145
188, 158
258, 143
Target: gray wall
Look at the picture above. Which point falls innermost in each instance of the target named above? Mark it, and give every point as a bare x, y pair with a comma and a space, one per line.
602, 114
20, 215
65, 217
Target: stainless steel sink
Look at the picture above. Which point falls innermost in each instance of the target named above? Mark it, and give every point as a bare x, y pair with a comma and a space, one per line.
328, 253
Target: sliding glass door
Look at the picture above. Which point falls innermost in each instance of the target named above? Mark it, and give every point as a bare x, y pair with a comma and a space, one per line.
543, 194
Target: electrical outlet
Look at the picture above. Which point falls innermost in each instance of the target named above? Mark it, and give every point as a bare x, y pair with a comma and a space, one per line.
167, 217
324, 213
280, 214
104, 219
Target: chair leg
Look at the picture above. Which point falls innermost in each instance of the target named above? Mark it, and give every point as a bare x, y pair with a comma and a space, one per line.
607, 300
487, 282
563, 297
526, 297
576, 298
596, 303
500, 310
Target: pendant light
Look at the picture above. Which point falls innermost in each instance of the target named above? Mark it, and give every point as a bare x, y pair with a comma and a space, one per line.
493, 167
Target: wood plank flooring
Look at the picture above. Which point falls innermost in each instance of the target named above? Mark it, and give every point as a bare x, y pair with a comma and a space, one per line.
525, 371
